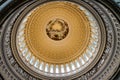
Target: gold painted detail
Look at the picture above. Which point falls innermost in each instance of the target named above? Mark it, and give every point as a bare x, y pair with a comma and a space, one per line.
62, 51
57, 29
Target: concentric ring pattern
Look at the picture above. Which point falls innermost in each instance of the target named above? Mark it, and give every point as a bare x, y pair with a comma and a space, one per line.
57, 57
60, 40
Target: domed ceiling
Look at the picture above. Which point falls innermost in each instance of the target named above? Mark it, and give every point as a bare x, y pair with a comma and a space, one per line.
59, 40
